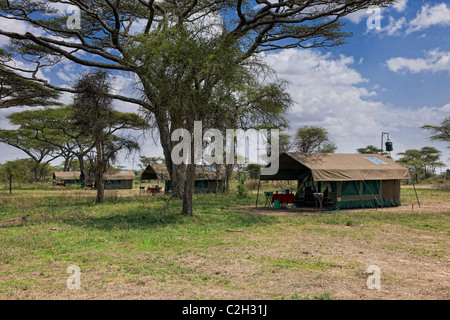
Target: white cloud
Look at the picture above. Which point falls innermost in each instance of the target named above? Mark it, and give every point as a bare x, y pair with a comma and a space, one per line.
431, 16
328, 93
394, 26
434, 61
401, 5
17, 26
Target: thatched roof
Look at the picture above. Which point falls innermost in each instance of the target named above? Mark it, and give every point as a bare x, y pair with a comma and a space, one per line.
123, 174
69, 175
160, 172
156, 172
208, 173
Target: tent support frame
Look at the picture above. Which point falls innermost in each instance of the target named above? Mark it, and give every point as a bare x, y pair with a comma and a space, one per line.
414, 186
257, 195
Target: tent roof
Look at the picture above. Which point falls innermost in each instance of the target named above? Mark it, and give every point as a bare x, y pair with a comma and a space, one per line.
160, 172
338, 167
69, 175
122, 174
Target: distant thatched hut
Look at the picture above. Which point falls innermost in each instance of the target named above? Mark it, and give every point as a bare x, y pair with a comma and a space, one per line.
114, 179
207, 178
67, 178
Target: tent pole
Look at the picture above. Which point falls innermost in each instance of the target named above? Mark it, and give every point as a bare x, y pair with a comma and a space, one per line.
360, 195
412, 180
315, 189
257, 195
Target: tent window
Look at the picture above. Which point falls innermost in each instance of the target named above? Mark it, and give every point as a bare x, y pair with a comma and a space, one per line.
350, 188
200, 184
371, 187
375, 160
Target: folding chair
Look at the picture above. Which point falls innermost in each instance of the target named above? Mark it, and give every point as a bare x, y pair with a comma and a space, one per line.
268, 203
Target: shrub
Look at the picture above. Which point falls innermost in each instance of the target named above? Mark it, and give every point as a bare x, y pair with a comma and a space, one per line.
242, 190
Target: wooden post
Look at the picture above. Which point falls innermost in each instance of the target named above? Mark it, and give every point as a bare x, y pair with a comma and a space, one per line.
10, 183
257, 195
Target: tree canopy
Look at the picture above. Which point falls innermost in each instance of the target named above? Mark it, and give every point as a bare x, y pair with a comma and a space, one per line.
440, 132
421, 162
310, 139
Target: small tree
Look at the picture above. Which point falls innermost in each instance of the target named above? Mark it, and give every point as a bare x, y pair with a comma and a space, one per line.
328, 147
422, 163
253, 170
146, 161
94, 114
24, 139
369, 150
309, 139
22, 171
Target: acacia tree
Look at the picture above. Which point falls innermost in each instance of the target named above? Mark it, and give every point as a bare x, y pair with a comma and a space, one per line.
18, 91
53, 126
371, 149
190, 44
310, 139
94, 115
421, 162
23, 139
440, 132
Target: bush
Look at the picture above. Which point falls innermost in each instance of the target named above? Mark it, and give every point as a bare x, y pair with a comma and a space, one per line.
242, 190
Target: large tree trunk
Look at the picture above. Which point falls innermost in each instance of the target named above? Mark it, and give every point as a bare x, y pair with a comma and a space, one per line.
177, 172
66, 164
189, 191
99, 174
228, 173
82, 173
100, 188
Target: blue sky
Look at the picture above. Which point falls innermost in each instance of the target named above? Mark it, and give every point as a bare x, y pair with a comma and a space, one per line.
392, 79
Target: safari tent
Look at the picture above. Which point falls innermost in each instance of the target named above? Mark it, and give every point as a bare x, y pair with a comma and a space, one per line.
114, 179
343, 181
207, 179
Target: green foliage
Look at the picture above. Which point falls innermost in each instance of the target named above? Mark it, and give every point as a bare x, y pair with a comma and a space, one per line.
242, 190
253, 170
15, 91
369, 150
310, 139
146, 161
440, 133
327, 147
24, 171
422, 163
285, 143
